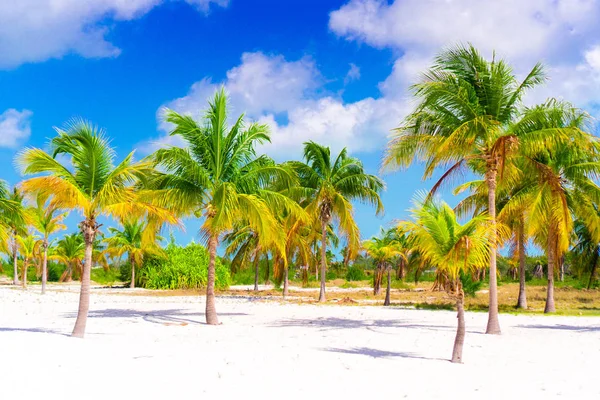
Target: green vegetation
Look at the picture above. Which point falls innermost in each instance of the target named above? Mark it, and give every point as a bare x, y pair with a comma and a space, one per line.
535, 186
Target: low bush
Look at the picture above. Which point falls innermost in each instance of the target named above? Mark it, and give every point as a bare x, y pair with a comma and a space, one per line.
355, 274
106, 276
183, 268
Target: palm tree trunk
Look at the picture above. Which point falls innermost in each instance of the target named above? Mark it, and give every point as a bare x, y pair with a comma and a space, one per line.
285, 281
493, 324
89, 228
256, 271
459, 341
522, 301
268, 272
387, 290
323, 260
550, 308
211, 311
132, 285
45, 266
594, 267
24, 273
15, 264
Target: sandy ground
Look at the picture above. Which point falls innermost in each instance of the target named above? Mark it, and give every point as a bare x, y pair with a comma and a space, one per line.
140, 347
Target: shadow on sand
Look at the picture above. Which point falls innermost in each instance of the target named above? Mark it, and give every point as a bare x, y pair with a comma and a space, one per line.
163, 317
375, 353
34, 330
559, 327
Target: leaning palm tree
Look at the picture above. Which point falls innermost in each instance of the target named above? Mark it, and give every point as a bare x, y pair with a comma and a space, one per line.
46, 221
468, 117
327, 187
91, 184
219, 177
585, 252
453, 249
132, 241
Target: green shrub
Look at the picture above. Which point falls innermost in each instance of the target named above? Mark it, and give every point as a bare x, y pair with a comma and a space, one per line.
183, 268
106, 277
355, 274
470, 287
331, 275
55, 270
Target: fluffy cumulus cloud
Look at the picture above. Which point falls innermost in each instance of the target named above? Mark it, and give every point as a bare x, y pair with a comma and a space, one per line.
15, 127
288, 95
561, 33
37, 30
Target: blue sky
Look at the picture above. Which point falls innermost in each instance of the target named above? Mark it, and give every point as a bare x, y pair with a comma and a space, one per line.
332, 71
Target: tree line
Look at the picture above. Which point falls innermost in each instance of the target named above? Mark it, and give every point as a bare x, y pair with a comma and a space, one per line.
535, 166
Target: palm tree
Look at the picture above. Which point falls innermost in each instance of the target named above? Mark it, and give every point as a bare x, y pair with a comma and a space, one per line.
69, 251
219, 177
327, 186
453, 249
13, 222
566, 189
585, 252
468, 116
383, 250
243, 245
91, 184
133, 242
45, 220
29, 249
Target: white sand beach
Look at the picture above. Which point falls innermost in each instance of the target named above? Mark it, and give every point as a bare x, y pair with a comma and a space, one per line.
142, 347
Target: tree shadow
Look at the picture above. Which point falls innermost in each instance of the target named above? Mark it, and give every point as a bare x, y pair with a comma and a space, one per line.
561, 327
163, 317
34, 330
375, 353
332, 323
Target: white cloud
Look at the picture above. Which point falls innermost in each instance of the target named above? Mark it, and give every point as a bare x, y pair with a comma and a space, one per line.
563, 33
353, 74
15, 127
271, 89
37, 30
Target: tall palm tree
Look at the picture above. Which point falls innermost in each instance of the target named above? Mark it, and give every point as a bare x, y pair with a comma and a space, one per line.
46, 221
132, 241
69, 251
91, 184
383, 250
327, 187
566, 189
468, 117
451, 248
29, 249
219, 177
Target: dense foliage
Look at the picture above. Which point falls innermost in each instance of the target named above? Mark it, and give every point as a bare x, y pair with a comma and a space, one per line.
182, 268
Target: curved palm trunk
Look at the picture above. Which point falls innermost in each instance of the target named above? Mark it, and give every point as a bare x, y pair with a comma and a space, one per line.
45, 266
211, 311
89, 229
387, 290
550, 308
459, 341
256, 271
323, 260
522, 301
493, 324
15, 264
132, 284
